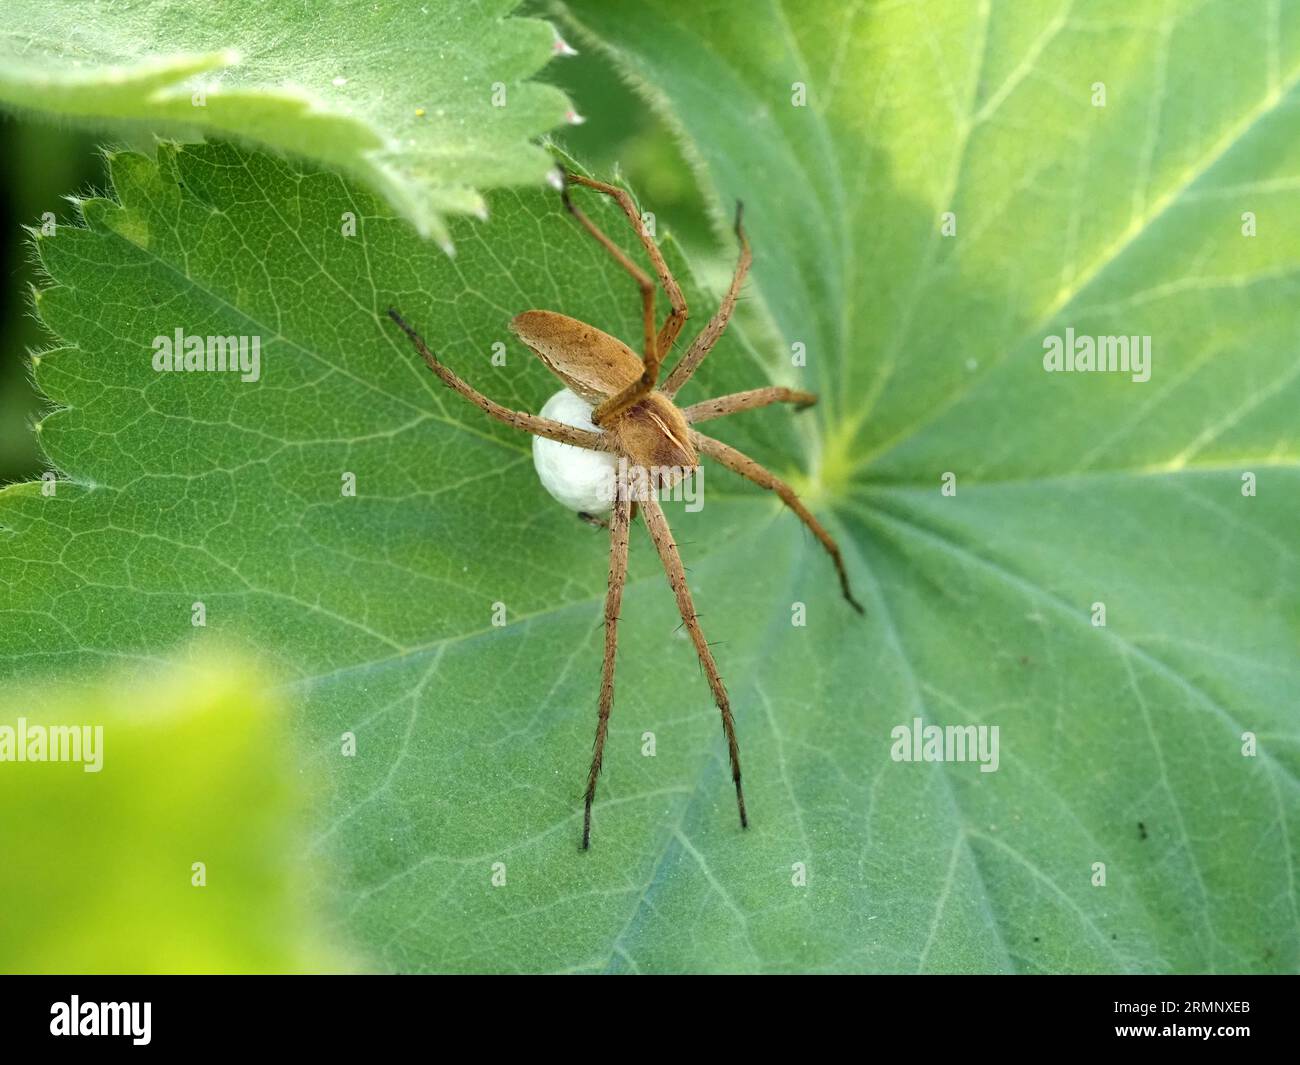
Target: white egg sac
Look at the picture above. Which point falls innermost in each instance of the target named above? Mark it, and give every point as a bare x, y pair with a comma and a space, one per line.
578, 479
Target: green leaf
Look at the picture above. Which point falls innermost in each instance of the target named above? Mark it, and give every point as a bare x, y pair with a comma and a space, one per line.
168, 837
376, 610
1119, 744
428, 103
1124, 219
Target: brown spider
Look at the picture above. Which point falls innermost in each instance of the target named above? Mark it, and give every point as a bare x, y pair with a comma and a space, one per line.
640, 424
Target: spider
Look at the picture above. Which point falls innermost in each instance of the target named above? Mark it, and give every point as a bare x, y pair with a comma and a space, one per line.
634, 419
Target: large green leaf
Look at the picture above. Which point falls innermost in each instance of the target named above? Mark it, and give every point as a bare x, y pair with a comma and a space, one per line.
427, 102
377, 609
1126, 219
1119, 744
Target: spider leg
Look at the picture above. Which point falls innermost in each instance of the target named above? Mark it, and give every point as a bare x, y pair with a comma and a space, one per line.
721, 406
654, 348
650, 355
618, 536
709, 335
677, 302
742, 464
672, 563
518, 419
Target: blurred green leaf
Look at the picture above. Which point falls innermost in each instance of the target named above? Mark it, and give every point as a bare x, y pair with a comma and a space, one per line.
427, 102
99, 870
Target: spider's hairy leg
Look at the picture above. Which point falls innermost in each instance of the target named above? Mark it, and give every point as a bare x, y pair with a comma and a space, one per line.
650, 354
619, 521
678, 311
672, 563
709, 335
518, 419
740, 463
721, 406
652, 357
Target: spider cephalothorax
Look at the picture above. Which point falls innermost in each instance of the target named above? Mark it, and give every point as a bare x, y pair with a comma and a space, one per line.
635, 419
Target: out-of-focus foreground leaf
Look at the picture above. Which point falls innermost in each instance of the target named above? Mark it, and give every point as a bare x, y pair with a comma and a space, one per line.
196, 779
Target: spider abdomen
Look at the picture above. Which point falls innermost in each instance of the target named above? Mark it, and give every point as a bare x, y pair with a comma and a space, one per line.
592, 363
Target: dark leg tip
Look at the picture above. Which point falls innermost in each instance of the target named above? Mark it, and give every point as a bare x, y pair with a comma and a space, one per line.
403, 324
740, 215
